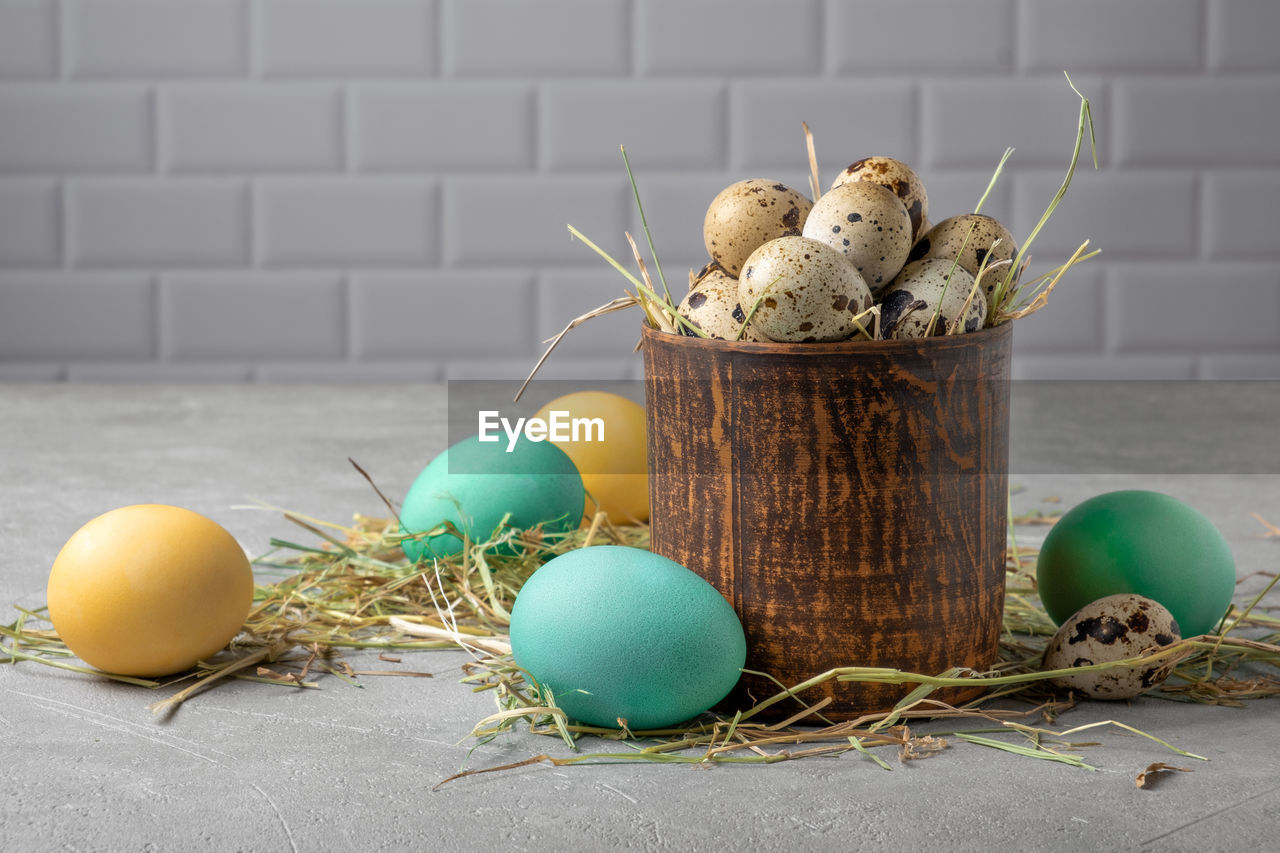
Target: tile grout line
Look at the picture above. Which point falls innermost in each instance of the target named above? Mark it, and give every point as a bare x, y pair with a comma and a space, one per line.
161, 312
252, 34
61, 217
346, 130
345, 291
1206, 37
62, 38
633, 39
440, 20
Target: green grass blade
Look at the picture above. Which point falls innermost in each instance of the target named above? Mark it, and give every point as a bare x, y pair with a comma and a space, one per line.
742, 330
856, 743
1027, 751
1138, 732
644, 224
16, 655
637, 283
609, 260
1085, 123
937, 311
1008, 152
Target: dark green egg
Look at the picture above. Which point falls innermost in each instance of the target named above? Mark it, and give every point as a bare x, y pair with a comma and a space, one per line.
1139, 542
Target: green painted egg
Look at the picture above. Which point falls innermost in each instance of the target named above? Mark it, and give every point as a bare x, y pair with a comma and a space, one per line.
619, 632
473, 484
1139, 542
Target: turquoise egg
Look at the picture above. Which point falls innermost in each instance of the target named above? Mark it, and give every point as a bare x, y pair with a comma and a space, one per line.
619, 632
1140, 542
473, 484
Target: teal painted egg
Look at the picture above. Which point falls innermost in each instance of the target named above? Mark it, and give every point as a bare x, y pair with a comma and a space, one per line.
619, 632
1140, 542
473, 484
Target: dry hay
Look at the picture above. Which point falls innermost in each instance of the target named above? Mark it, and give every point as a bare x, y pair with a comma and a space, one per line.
354, 589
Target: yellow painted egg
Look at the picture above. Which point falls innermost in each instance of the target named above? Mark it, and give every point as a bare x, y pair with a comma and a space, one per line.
611, 457
148, 590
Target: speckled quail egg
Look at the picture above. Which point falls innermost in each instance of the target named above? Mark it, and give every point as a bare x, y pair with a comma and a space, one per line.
1110, 629
712, 306
805, 290
908, 305
707, 275
945, 239
746, 215
925, 226
868, 224
897, 176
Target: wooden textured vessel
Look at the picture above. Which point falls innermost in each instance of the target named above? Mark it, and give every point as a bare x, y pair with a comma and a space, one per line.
849, 499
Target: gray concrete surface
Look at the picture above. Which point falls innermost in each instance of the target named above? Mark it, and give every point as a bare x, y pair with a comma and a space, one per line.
254, 767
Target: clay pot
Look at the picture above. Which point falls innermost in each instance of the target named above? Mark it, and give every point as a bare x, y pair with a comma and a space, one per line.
849, 499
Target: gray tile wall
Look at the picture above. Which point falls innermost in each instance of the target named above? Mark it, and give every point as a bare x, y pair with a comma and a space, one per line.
357, 190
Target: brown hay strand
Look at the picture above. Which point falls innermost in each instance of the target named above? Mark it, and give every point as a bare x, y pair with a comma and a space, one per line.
355, 589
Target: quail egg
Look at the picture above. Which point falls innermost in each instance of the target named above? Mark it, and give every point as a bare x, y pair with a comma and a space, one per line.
921, 291
712, 306
748, 214
802, 290
868, 224
1109, 629
897, 176
945, 239
925, 227
707, 275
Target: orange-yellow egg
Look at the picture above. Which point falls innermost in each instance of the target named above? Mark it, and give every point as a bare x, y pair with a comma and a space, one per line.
615, 470
149, 590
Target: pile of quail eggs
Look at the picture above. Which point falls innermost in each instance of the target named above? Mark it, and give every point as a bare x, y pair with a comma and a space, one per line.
784, 268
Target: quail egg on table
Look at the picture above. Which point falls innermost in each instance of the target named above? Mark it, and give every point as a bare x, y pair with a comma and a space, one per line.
1117, 627
868, 224
712, 306
748, 214
927, 288
802, 290
897, 176
945, 239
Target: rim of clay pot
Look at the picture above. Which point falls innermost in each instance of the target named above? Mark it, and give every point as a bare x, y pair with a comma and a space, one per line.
847, 347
